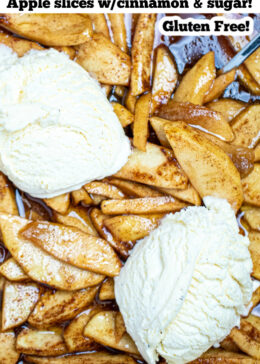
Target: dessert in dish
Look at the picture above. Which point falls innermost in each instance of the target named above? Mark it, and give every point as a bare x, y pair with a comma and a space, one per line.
130, 196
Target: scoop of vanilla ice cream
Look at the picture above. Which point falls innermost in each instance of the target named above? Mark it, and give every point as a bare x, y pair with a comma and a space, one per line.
57, 129
185, 285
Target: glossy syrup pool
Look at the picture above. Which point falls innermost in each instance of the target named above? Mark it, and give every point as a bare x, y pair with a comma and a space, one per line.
189, 49
186, 51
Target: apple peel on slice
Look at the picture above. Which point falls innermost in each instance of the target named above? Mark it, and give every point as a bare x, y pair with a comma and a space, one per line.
209, 169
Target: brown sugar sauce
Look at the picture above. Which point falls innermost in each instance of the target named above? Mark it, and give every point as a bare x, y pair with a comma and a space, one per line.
186, 52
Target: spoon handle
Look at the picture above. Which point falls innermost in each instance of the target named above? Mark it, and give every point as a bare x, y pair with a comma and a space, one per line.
241, 56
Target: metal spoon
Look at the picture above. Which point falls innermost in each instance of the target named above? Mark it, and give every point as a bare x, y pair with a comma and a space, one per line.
241, 56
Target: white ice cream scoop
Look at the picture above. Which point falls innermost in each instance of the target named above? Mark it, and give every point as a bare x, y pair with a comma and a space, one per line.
185, 285
57, 129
